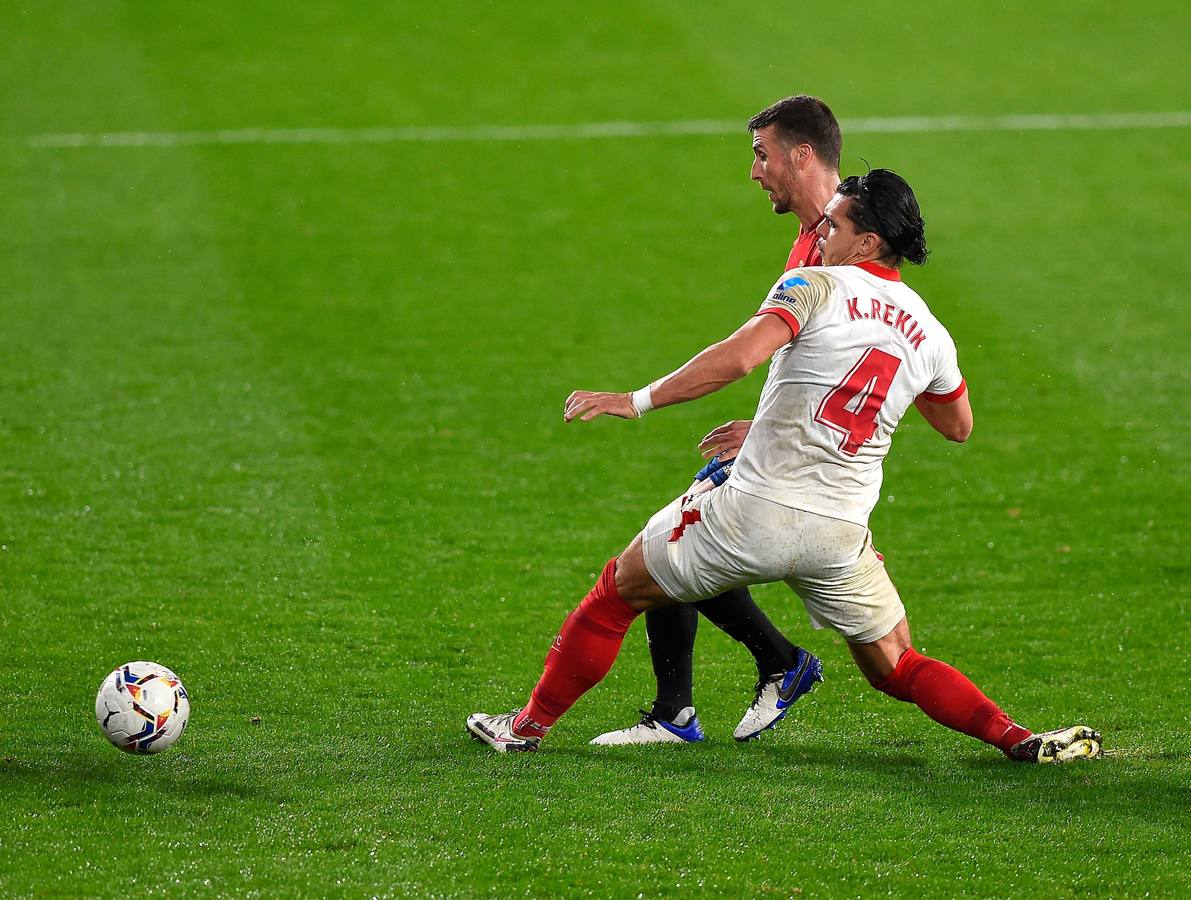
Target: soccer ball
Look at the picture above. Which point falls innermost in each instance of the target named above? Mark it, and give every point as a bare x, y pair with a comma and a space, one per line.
142, 707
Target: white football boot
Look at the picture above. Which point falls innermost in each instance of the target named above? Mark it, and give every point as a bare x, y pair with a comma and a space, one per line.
497, 732
1058, 746
777, 693
684, 729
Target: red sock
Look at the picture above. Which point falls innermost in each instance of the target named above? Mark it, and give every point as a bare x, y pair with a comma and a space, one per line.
947, 696
581, 655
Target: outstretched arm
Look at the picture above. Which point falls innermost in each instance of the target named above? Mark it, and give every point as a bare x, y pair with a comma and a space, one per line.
719, 365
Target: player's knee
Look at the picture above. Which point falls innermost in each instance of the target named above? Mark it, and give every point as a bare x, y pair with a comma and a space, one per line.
876, 671
634, 584
891, 685
898, 679
876, 681
645, 604
641, 593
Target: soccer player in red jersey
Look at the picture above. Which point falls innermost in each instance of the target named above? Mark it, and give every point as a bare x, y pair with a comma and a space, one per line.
796, 153
851, 347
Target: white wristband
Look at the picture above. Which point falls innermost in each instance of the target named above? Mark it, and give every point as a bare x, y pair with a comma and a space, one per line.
642, 401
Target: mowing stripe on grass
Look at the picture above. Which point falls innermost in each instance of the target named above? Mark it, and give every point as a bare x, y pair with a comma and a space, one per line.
420, 134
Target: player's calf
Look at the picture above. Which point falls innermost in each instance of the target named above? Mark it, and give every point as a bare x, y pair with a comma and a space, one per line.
947, 695
580, 657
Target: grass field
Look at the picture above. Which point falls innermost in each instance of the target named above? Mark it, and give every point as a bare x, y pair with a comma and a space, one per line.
286, 417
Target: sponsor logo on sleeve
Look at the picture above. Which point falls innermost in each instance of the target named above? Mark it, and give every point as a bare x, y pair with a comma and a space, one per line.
788, 284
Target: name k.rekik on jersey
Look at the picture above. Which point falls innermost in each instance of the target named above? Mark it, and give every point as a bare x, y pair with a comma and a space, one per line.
891, 316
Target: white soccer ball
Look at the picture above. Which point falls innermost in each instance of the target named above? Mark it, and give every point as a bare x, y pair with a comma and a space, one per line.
142, 707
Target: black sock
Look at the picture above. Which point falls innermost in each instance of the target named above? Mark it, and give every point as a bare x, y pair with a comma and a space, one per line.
671, 633
735, 613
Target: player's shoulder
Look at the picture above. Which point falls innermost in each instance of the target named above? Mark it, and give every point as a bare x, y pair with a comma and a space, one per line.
806, 287
808, 280
815, 271
910, 297
800, 292
941, 341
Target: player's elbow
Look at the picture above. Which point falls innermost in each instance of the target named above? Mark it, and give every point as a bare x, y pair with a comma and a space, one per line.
959, 431
738, 363
752, 344
754, 355
952, 420
742, 367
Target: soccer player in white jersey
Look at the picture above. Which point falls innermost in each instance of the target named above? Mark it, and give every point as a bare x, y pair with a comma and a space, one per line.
851, 347
796, 151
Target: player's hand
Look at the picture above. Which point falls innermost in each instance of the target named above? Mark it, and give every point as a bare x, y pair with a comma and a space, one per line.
714, 473
588, 405
725, 441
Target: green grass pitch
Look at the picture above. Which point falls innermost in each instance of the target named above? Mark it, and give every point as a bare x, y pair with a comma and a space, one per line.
286, 417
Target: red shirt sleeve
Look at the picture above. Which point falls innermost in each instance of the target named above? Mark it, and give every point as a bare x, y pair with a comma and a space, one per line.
786, 316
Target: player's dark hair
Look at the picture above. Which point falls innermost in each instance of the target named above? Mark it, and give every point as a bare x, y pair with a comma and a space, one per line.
883, 203
803, 120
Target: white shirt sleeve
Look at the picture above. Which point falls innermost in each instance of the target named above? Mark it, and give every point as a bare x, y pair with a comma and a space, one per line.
797, 296
948, 382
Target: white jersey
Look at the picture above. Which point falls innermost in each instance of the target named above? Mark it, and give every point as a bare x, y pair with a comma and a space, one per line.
865, 347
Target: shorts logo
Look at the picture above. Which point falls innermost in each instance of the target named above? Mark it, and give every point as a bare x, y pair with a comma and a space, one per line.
689, 517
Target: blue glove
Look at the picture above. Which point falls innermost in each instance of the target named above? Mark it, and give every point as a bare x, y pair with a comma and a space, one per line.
716, 470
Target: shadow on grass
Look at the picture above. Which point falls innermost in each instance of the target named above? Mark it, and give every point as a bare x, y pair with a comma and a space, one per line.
1149, 789
85, 779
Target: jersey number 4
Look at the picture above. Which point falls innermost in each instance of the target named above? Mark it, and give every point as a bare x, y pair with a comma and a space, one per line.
851, 407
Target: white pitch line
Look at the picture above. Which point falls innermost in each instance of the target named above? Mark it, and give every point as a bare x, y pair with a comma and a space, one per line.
420, 134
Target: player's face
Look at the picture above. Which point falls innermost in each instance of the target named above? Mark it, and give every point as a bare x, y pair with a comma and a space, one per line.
773, 169
840, 242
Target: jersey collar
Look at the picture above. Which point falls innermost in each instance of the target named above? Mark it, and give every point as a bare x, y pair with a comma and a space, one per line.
879, 270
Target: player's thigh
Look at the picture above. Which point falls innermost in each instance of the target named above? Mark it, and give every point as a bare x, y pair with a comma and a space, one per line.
843, 583
698, 547
634, 583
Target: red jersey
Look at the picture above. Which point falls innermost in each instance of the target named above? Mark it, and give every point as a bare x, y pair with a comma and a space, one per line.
805, 251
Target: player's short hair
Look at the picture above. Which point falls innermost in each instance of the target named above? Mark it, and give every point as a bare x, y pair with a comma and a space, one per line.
803, 119
884, 203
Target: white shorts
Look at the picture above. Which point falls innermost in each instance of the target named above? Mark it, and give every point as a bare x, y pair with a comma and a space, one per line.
700, 547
